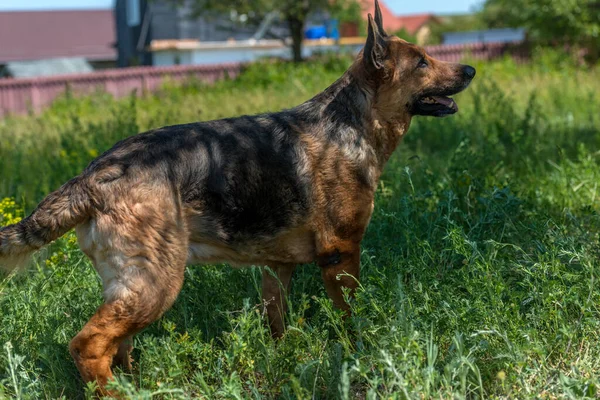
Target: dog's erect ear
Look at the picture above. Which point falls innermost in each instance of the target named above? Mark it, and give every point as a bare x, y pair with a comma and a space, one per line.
375, 48
379, 19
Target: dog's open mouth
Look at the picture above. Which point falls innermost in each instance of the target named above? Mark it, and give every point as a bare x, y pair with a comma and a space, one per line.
437, 106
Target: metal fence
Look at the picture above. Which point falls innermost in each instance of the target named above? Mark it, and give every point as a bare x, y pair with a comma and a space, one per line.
18, 96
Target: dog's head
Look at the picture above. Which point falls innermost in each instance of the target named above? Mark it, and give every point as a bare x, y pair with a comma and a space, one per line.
405, 80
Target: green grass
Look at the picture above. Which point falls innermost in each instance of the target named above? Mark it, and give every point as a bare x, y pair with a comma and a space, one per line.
479, 268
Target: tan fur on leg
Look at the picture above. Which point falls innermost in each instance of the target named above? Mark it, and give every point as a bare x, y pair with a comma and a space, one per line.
139, 249
123, 357
274, 292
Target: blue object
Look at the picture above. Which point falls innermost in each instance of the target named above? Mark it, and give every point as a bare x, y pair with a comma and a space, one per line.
333, 31
316, 32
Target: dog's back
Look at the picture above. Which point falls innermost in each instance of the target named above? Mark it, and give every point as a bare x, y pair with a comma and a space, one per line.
244, 175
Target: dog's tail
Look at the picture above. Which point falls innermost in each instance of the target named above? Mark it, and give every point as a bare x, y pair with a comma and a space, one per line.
60, 211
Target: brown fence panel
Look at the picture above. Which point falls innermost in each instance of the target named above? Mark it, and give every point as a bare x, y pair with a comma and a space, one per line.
18, 96
478, 51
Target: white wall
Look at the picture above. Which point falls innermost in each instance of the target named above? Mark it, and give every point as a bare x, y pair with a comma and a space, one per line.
236, 54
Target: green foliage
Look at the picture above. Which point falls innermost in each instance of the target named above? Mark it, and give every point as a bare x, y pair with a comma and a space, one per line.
480, 266
562, 21
346, 11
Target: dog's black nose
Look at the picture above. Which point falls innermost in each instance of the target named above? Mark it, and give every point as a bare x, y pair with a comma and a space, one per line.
469, 72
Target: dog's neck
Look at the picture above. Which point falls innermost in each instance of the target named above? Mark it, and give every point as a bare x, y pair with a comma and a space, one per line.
352, 107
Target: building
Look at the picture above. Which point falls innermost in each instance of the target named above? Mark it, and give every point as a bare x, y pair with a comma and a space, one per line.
140, 23
134, 30
417, 25
507, 35
46, 67
28, 36
193, 52
163, 34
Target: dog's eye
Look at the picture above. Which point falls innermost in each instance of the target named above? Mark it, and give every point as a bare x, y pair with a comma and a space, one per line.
422, 63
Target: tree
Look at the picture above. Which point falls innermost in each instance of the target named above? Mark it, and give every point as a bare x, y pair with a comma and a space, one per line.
574, 22
293, 13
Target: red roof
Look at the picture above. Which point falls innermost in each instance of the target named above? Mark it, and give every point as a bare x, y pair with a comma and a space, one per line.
412, 23
392, 22
31, 35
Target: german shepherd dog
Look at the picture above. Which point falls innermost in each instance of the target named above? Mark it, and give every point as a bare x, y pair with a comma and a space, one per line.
275, 189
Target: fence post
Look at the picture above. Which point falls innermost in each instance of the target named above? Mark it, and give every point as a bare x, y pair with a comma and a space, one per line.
144, 84
109, 86
34, 95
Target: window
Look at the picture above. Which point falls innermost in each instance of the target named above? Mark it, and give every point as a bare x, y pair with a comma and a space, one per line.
133, 12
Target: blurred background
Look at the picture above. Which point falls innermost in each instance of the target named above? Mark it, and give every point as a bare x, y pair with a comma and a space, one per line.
57, 37
480, 265
43, 37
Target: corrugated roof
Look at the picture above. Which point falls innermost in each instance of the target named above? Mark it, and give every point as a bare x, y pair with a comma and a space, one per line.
51, 67
32, 35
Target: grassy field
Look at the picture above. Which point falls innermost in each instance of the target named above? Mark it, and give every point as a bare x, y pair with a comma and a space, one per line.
480, 265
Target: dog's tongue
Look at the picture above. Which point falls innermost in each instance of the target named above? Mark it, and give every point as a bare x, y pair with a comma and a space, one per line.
446, 101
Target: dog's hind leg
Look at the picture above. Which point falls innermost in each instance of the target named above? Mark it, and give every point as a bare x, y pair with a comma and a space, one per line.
95, 345
275, 285
108, 333
141, 259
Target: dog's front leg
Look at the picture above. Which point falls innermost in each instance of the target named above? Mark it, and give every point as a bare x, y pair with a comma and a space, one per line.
340, 267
